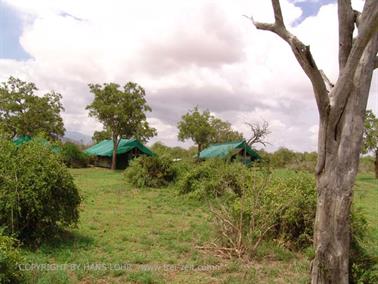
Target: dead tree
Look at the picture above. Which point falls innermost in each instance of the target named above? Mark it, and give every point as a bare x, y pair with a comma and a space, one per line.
259, 132
341, 109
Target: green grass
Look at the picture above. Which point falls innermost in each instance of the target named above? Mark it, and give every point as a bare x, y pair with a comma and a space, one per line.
156, 233
123, 225
366, 196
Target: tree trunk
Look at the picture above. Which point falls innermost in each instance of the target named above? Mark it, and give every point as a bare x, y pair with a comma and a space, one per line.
342, 109
199, 151
342, 141
114, 158
376, 163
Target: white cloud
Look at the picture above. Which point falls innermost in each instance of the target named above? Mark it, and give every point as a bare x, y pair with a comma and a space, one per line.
183, 53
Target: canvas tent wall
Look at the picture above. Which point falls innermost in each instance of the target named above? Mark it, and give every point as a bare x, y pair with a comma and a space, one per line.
127, 150
231, 150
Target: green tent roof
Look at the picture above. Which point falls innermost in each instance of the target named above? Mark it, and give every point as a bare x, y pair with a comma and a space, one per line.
21, 140
224, 149
105, 148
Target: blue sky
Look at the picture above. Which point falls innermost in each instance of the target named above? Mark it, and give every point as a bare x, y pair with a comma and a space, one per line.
10, 32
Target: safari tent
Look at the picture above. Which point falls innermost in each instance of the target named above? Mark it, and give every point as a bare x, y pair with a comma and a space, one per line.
127, 150
232, 150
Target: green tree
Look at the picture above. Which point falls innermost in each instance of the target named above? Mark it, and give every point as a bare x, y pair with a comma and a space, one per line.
123, 112
371, 137
203, 128
98, 136
24, 113
196, 125
223, 131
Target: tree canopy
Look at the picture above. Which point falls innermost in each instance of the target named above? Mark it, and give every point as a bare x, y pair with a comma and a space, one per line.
24, 113
98, 136
370, 143
122, 112
203, 128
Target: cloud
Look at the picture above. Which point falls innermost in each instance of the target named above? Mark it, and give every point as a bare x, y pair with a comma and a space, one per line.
184, 53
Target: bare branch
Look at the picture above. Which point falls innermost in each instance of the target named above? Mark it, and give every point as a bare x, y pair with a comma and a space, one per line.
259, 132
346, 28
357, 17
327, 81
302, 54
367, 30
278, 13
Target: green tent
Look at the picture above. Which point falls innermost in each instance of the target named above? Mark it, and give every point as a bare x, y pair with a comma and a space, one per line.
127, 149
20, 140
230, 149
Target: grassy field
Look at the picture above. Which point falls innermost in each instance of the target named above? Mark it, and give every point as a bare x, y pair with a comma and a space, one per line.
152, 236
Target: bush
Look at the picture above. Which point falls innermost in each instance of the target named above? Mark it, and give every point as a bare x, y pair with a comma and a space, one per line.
10, 257
213, 178
73, 157
150, 171
363, 268
278, 207
37, 193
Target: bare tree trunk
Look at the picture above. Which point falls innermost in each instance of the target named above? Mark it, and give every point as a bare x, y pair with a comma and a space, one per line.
199, 148
115, 148
341, 111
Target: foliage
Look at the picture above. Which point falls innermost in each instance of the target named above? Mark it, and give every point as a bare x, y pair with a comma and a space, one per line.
99, 136
370, 137
10, 257
223, 131
175, 153
203, 128
370, 133
363, 267
37, 193
24, 113
285, 158
196, 126
122, 112
150, 171
213, 178
73, 157
272, 207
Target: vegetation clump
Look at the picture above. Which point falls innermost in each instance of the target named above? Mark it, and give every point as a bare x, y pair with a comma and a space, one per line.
150, 171
73, 157
37, 193
10, 257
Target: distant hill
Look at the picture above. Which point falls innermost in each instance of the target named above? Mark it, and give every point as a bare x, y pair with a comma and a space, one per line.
77, 137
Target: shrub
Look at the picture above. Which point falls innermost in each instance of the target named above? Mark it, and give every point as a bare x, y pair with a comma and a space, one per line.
37, 193
10, 257
363, 267
213, 178
73, 157
150, 171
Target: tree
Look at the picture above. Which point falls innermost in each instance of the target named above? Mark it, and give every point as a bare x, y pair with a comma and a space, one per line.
204, 128
341, 109
98, 136
24, 113
196, 126
259, 132
123, 112
223, 131
371, 137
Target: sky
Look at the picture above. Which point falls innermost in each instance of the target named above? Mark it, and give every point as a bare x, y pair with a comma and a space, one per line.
184, 53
